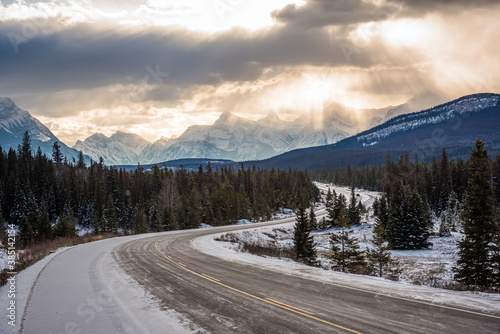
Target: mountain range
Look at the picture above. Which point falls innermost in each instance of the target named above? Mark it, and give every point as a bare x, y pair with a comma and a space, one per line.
454, 126
238, 139
337, 137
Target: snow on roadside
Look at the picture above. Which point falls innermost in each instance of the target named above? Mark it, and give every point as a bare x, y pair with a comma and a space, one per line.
483, 302
23, 283
432, 267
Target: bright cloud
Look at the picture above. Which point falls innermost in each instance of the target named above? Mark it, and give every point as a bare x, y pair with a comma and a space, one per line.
156, 67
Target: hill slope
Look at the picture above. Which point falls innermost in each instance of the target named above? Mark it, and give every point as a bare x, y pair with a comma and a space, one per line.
14, 122
453, 125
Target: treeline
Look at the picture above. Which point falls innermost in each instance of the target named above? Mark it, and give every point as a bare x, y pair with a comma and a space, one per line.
463, 195
434, 181
47, 197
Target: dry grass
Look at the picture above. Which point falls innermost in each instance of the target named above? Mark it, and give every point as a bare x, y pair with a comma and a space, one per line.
268, 250
37, 251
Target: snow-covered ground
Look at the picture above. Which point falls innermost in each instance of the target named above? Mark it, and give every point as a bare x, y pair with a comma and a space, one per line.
473, 301
423, 272
431, 267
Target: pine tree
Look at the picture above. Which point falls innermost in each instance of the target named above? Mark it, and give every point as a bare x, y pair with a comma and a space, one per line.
495, 261
340, 204
305, 249
451, 219
330, 207
379, 256
57, 155
383, 212
43, 227
345, 252
110, 222
353, 210
409, 222
169, 223
65, 227
313, 222
140, 225
474, 266
81, 160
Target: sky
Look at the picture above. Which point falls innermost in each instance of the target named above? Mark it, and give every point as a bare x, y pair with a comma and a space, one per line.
156, 67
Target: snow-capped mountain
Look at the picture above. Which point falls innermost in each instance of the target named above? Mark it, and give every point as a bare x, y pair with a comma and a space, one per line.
119, 149
230, 137
453, 126
239, 139
14, 122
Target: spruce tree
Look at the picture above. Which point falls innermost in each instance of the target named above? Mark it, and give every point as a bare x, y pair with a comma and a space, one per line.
345, 252
409, 222
43, 227
169, 222
65, 227
57, 155
379, 256
140, 225
382, 212
451, 218
313, 222
110, 222
474, 266
305, 249
353, 210
495, 261
330, 207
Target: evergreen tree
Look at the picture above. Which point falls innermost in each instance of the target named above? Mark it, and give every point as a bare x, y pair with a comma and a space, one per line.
244, 203
451, 217
345, 252
382, 212
140, 225
313, 222
81, 160
43, 227
340, 204
474, 266
305, 249
2, 222
65, 227
57, 155
495, 261
110, 222
409, 222
25, 231
330, 206
353, 210
169, 222
379, 256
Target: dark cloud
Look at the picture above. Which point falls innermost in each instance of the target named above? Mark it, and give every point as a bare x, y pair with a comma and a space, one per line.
422, 7
85, 57
321, 13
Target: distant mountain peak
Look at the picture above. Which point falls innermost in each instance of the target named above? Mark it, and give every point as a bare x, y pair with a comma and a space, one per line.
271, 117
227, 117
98, 135
14, 122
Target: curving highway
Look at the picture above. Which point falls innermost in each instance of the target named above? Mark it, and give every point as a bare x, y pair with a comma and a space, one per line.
227, 297
162, 284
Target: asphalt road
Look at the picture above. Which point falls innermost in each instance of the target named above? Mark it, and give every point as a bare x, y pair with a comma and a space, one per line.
226, 297
109, 286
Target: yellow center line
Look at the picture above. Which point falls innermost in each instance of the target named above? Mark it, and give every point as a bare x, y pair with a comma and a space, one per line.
267, 300
215, 279
290, 306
